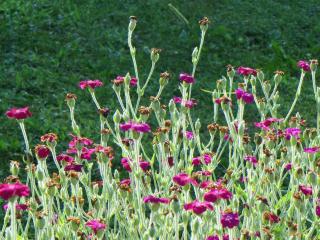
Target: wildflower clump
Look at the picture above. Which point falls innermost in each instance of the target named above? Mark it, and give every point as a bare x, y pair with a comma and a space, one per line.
154, 171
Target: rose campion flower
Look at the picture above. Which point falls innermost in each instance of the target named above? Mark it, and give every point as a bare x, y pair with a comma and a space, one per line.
311, 150
155, 200
19, 207
96, 225
177, 99
86, 153
306, 190
144, 165
92, 84
189, 135
213, 237
73, 167
125, 126
141, 127
251, 159
239, 93
79, 141
125, 182
120, 80
19, 113
65, 158
136, 127
245, 96
49, 137
9, 190
229, 219
183, 179
198, 207
288, 166
170, 161
271, 217
265, 125
304, 65
292, 132
215, 194
318, 210
133, 81
246, 71
125, 164
42, 151
184, 77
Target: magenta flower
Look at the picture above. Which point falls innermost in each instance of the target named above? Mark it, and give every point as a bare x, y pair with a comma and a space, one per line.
125, 182
155, 200
86, 153
65, 158
196, 161
76, 141
95, 225
215, 194
19, 207
229, 219
189, 135
183, 179
205, 159
125, 126
251, 159
141, 127
306, 190
318, 210
311, 150
245, 96
304, 65
170, 161
133, 81
9, 190
144, 165
213, 237
265, 125
246, 71
90, 84
273, 218
184, 77
136, 127
125, 164
292, 132
288, 166
19, 113
73, 167
239, 93
177, 99
42, 151
198, 207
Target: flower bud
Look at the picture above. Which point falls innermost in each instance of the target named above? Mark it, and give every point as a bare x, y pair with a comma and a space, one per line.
14, 168
278, 76
71, 100
164, 77
195, 55
117, 117
176, 207
260, 75
132, 23
313, 65
230, 71
204, 22
198, 125
155, 54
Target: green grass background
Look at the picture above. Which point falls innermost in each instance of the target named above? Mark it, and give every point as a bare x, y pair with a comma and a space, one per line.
47, 47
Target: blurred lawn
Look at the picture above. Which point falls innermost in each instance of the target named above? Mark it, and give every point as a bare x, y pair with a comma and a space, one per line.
48, 46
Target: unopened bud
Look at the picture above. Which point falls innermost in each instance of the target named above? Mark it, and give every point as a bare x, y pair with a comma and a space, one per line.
132, 23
